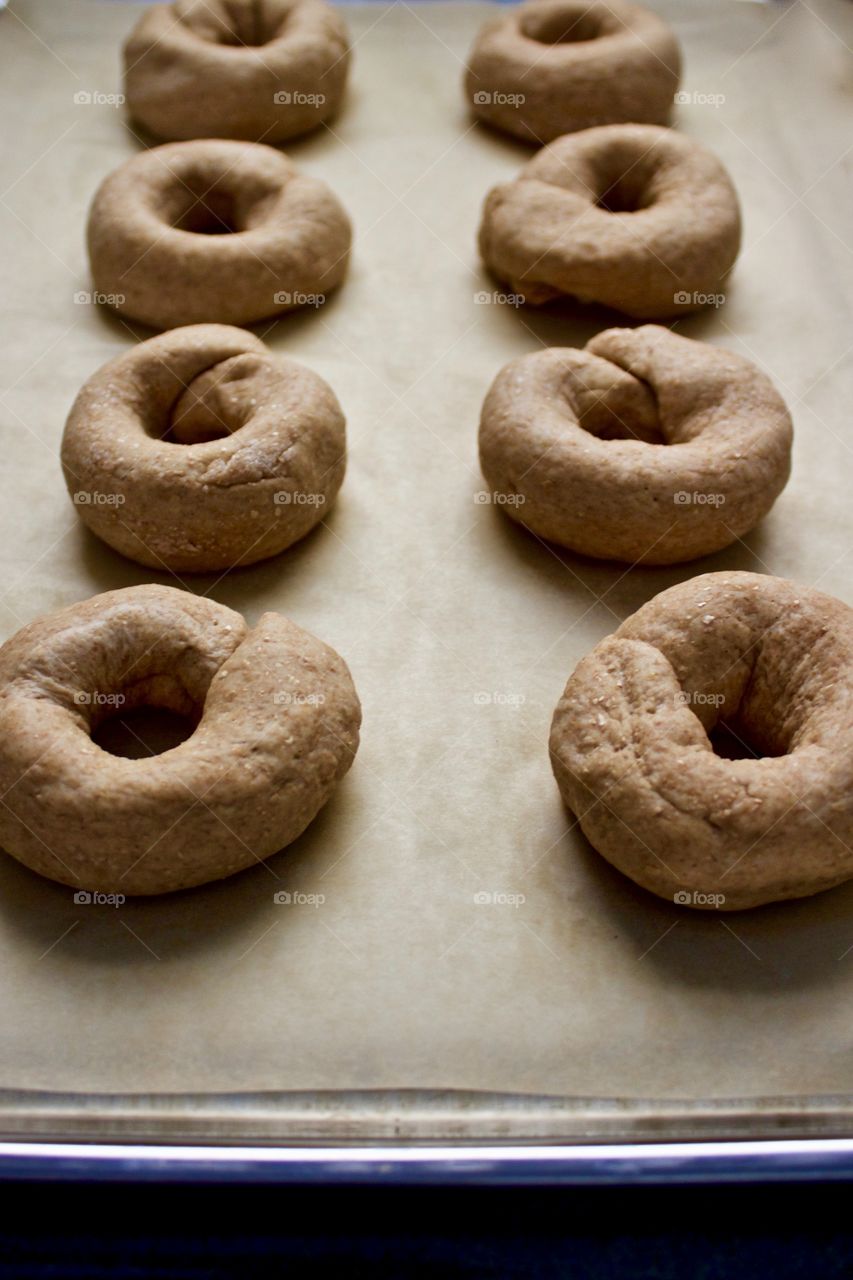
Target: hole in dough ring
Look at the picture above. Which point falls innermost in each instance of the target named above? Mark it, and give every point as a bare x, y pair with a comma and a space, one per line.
552, 67
214, 231
278, 728
236, 68
200, 450
644, 447
634, 217
632, 756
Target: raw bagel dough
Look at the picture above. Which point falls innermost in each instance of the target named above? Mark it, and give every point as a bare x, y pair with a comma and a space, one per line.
260, 70
200, 450
553, 66
644, 447
211, 230
631, 754
278, 728
634, 217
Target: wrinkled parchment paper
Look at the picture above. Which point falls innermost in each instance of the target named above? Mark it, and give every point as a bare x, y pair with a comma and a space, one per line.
446, 928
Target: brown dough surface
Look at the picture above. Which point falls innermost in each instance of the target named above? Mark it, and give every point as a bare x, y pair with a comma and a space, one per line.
214, 230
553, 66
200, 450
278, 728
644, 446
636, 217
260, 70
633, 760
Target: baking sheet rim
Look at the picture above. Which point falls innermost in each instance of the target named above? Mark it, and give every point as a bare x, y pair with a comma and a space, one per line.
378, 1117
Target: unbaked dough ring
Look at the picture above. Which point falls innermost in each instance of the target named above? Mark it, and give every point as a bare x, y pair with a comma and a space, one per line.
213, 230
278, 729
553, 66
635, 217
644, 446
261, 70
633, 760
200, 450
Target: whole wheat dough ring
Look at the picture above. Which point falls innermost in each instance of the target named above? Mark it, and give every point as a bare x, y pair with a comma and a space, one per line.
636, 217
553, 66
644, 446
200, 450
213, 230
633, 760
252, 69
278, 721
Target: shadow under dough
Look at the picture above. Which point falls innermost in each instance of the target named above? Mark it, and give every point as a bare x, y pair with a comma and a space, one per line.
44, 915
783, 946
239, 588
623, 588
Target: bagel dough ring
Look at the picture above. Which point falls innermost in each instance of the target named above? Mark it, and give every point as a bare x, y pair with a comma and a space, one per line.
236, 68
632, 757
553, 66
213, 230
635, 217
278, 728
644, 446
200, 450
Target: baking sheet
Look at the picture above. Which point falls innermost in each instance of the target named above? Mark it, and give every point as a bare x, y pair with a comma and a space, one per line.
467, 938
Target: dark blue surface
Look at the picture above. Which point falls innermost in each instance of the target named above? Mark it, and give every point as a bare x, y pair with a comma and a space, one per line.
217, 1232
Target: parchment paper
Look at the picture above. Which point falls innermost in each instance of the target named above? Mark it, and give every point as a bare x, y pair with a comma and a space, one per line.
460, 630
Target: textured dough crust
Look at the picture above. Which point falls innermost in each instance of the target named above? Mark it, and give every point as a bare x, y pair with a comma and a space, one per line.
278, 730
554, 66
260, 70
635, 217
212, 230
631, 754
147, 477
644, 447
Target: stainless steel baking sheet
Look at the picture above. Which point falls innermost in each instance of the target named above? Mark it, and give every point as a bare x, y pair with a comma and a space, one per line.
455, 962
